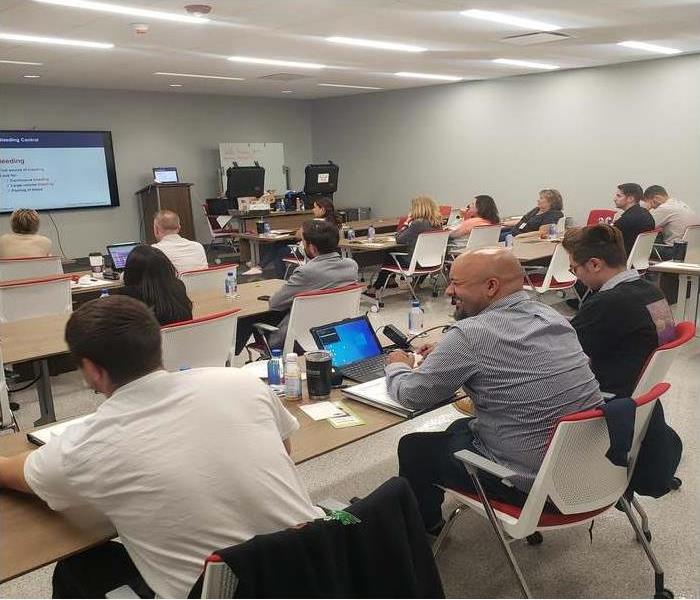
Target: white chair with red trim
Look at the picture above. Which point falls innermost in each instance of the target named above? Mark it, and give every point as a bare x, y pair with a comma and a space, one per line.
30, 268
202, 342
311, 309
211, 279
641, 251
557, 277
224, 234
30, 298
575, 476
295, 259
428, 259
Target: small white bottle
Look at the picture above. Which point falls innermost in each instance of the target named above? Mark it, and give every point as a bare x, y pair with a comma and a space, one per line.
415, 318
231, 285
371, 232
292, 377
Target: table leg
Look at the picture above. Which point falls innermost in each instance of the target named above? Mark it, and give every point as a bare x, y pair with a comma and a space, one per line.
680, 302
254, 253
43, 390
692, 308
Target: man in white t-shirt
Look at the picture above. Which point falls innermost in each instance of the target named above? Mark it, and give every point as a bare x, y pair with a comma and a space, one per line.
181, 463
186, 255
671, 215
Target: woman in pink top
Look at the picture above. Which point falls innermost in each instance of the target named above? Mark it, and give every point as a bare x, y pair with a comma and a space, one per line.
481, 211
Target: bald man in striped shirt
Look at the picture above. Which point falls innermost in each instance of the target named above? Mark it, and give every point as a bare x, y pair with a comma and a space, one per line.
518, 359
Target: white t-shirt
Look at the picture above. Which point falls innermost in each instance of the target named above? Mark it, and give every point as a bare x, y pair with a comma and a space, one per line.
185, 254
674, 217
182, 464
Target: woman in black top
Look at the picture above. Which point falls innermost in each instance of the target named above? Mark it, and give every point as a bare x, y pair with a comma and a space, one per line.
537, 221
149, 276
324, 209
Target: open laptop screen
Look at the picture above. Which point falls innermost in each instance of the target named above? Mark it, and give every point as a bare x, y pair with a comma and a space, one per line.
119, 253
165, 175
348, 341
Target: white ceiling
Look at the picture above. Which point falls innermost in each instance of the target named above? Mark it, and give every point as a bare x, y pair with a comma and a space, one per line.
296, 30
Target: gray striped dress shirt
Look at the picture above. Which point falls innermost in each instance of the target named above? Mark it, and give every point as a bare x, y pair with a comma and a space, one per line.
522, 365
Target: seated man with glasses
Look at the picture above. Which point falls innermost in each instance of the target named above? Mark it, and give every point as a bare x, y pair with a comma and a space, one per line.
626, 320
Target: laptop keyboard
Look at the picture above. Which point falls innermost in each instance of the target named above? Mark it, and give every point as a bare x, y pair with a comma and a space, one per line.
365, 370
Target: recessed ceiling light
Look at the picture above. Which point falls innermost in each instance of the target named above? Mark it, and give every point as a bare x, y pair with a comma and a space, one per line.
31, 76
355, 87
496, 17
126, 10
427, 76
20, 62
375, 44
287, 91
649, 47
174, 85
277, 63
525, 63
36, 39
196, 76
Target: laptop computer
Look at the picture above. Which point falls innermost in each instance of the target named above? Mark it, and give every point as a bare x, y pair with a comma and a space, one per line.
165, 175
354, 347
118, 253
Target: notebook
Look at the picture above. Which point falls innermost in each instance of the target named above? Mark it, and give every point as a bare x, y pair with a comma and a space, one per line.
376, 394
43, 435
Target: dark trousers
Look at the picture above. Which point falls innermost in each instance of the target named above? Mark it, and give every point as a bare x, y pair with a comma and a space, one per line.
272, 254
426, 460
244, 329
93, 573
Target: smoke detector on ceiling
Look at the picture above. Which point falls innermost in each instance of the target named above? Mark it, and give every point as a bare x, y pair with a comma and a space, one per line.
198, 10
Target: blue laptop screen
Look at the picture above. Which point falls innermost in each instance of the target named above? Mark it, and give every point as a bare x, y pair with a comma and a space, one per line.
349, 342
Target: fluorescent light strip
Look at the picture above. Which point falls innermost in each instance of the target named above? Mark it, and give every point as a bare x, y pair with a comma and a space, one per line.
427, 76
31, 76
277, 63
496, 17
126, 10
649, 47
525, 63
355, 87
36, 39
199, 76
20, 62
375, 44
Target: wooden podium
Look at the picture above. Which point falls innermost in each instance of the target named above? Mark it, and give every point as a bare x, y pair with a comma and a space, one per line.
170, 196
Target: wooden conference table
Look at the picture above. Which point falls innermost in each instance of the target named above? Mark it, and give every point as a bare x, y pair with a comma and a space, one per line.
39, 338
34, 536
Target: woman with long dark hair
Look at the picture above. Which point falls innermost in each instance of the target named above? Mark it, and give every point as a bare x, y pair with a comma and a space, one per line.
149, 276
481, 211
324, 209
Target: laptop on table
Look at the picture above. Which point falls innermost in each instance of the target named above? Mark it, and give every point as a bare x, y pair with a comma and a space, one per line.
354, 348
118, 254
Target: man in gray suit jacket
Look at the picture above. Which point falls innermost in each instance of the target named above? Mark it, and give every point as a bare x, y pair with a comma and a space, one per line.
325, 270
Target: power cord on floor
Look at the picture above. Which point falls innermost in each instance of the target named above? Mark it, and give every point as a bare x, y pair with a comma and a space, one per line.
24, 387
58, 236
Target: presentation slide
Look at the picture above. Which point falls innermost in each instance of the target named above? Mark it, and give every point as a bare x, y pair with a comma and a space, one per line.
53, 170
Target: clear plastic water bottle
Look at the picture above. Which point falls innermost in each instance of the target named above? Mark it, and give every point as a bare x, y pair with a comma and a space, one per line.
104, 293
415, 318
351, 234
275, 371
552, 231
266, 228
509, 240
371, 232
280, 205
231, 285
292, 377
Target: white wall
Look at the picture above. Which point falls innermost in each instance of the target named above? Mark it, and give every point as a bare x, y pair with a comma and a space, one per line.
148, 130
581, 131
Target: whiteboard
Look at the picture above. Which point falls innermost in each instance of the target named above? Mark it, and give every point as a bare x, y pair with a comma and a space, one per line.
269, 154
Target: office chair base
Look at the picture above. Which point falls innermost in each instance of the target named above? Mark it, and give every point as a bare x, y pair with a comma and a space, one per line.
535, 539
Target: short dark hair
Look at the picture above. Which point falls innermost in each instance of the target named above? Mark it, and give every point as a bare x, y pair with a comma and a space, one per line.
117, 333
655, 190
596, 241
631, 189
486, 208
322, 234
